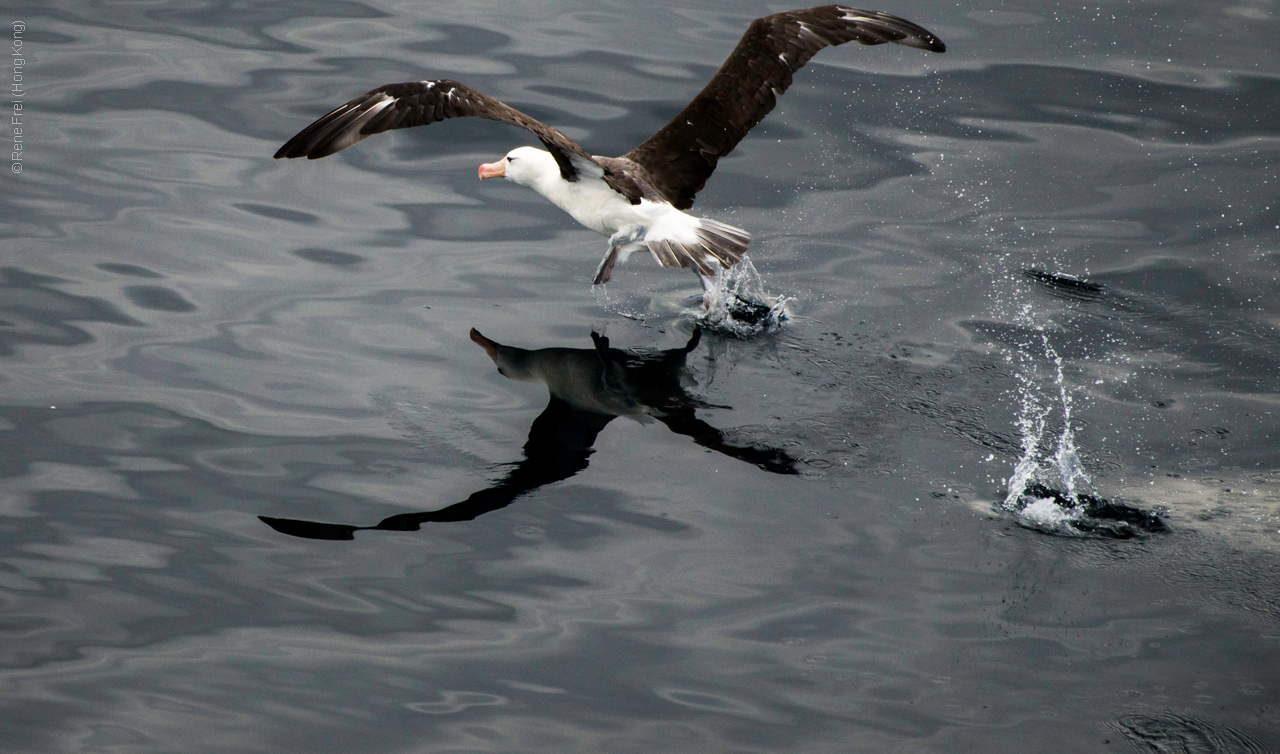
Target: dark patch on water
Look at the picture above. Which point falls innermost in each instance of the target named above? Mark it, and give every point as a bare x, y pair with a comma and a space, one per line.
749, 312
279, 213
132, 270
328, 256
1092, 515
1066, 286
158, 299
744, 319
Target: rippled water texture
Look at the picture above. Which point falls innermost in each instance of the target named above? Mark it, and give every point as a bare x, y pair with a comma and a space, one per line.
262, 488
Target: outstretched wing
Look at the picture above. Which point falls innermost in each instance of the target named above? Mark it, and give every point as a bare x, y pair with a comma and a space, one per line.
421, 103
682, 154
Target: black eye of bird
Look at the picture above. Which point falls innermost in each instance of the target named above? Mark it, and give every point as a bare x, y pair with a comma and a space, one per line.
510, 158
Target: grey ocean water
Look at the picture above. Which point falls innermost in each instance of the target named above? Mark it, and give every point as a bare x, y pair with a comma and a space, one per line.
1054, 248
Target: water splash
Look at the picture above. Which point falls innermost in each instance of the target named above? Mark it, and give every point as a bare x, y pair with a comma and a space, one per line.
736, 303
615, 305
733, 303
1048, 464
1049, 489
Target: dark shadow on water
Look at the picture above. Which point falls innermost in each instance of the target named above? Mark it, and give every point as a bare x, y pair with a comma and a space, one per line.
589, 387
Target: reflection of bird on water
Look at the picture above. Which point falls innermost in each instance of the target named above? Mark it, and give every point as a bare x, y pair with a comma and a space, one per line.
636, 200
589, 388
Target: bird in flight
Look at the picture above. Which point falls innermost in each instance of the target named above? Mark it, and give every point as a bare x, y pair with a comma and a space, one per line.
636, 200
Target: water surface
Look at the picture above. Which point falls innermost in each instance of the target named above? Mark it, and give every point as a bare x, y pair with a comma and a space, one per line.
1054, 246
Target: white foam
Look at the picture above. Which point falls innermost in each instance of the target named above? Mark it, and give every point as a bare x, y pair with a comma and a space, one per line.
1047, 513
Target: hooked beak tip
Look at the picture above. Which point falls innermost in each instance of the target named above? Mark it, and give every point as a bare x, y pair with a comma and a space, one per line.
489, 346
493, 170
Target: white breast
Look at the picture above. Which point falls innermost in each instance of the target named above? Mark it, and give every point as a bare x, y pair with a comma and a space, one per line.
591, 202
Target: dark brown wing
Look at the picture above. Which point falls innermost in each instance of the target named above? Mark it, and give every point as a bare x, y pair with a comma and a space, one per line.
682, 154
420, 103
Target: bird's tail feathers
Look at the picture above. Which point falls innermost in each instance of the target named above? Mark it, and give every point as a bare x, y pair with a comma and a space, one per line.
715, 244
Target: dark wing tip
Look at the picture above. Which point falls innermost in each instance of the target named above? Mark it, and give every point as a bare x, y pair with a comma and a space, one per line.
352, 122
930, 43
290, 149
923, 40
888, 28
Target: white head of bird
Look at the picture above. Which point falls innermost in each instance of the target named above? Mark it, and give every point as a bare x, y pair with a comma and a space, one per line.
523, 165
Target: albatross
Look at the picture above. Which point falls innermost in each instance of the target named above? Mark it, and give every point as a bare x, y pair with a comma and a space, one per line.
637, 200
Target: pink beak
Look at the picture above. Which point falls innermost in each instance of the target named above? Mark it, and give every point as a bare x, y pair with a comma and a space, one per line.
493, 169
489, 346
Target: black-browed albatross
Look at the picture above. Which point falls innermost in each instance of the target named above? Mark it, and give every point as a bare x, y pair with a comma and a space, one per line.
637, 200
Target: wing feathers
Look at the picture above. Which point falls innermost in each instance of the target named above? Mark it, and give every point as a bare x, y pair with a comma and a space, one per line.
421, 103
682, 154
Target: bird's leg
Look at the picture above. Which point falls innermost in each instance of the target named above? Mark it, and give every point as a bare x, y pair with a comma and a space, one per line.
606, 265
616, 242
